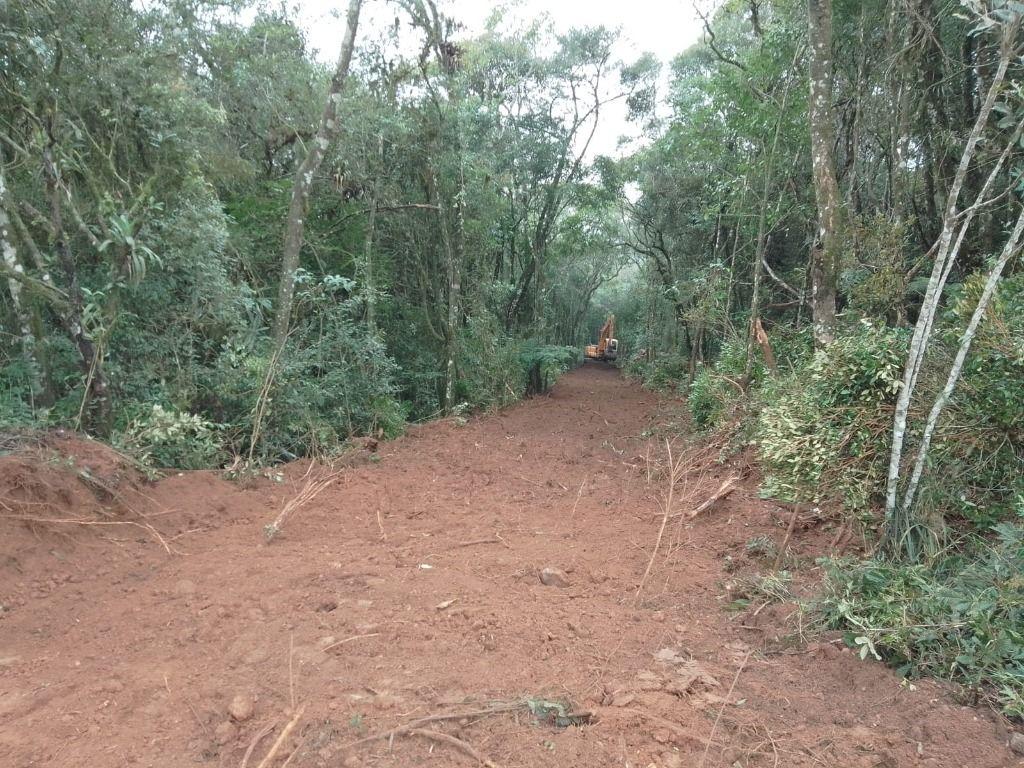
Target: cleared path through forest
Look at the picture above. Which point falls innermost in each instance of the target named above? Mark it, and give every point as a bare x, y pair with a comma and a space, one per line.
408, 595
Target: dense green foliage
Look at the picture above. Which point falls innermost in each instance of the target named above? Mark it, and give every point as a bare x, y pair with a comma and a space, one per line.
959, 617
821, 429
148, 156
729, 180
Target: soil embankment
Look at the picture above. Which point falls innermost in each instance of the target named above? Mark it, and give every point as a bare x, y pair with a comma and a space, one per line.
409, 589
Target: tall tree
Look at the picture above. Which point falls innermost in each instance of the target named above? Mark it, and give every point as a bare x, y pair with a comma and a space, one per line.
825, 253
329, 128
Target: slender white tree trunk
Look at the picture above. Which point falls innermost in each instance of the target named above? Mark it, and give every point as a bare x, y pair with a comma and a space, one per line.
369, 278
945, 257
10, 258
762, 239
328, 130
1010, 250
13, 265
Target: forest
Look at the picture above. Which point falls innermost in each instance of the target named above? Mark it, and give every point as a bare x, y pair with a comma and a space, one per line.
220, 253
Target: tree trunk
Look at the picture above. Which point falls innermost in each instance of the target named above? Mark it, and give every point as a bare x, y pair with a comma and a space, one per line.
453, 270
452, 262
825, 252
369, 287
326, 133
369, 281
21, 318
13, 265
96, 401
897, 520
27, 313
1010, 250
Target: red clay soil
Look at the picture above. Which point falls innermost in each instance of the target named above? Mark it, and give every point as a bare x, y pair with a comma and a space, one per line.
410, 589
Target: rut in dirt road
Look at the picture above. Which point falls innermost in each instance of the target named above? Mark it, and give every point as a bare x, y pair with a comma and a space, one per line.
411, 590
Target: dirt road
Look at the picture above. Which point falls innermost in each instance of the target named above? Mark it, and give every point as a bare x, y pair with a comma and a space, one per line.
411, 589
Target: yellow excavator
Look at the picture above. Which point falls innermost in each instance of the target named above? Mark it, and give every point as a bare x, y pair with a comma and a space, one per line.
607, 347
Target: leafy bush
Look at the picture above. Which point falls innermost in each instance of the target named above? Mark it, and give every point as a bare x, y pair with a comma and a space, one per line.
960, 617
822, 433
667, 371
490, 372
333, 381
333, 389
16, 395
978, 457
544, 363
167, 438
716, 389
708, 398
875, 282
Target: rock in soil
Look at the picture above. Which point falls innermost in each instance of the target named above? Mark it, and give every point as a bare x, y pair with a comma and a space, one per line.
225, 733
240, 708
553, 577
1017, 743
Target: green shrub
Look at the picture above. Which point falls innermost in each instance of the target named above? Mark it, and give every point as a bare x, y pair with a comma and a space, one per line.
716, 390
167, 438
977, 460
667, 372
544, 363
490, 372
16, 395
960, 617
335, 388
875, 281
822, 433
333, 381
708, 398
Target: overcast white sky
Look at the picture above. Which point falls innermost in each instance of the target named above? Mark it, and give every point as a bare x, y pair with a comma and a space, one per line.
663, 27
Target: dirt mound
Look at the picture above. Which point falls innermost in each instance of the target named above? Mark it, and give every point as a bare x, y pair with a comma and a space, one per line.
470, 597
58, 494
58, 475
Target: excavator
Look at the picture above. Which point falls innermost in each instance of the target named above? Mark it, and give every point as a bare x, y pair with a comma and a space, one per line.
607, 347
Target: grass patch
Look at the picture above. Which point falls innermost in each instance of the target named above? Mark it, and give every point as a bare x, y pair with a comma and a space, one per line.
959, 617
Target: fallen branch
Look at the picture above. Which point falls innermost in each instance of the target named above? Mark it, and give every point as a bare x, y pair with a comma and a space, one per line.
459, 744
285, 733
579, 495
474, 542
69, 521
415, 724
785, 540
349, 640
721, 711
310, 491
739, 387
675, 473
727, 487
256, 740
